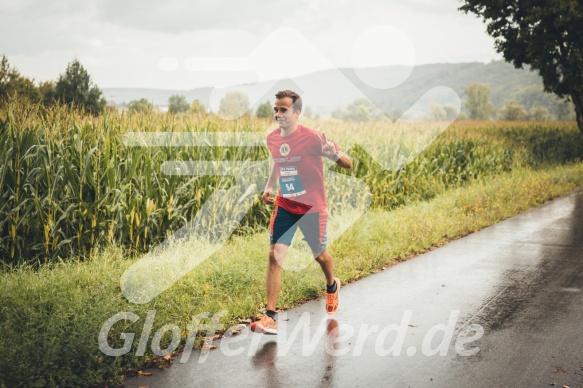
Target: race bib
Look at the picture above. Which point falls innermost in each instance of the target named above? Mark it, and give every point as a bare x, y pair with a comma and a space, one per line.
290, 183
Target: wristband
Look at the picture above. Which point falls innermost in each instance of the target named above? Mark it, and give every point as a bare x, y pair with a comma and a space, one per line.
335, 157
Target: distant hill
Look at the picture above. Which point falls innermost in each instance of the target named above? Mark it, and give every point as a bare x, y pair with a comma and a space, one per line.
327, 90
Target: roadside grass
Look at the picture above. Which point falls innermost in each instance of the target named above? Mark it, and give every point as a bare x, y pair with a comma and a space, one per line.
50, 317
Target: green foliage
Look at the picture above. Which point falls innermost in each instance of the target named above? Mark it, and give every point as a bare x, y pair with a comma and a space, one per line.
68, 184
177, 104
142, 105
264, 111
513, 111
47, 92
234, 105
197, 108
478, 102
545, 34
13, 84
74, 87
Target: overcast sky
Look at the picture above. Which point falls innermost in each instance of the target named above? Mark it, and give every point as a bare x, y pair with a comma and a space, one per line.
177, 44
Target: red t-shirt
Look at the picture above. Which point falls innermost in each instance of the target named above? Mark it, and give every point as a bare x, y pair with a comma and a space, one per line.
298, 159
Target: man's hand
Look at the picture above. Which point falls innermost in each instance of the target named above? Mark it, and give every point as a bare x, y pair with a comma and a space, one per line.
328, 149
268, 196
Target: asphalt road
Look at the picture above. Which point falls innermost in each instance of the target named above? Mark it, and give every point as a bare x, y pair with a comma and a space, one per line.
502, 307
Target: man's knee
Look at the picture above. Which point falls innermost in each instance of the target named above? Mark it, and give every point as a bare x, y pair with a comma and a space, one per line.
276, 254
322, 257
272, 258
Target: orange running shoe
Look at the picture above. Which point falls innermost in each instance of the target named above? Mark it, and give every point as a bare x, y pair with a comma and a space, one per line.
333, 300
265, 325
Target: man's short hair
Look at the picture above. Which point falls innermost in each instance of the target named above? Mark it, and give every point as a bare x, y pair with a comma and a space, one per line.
296, 99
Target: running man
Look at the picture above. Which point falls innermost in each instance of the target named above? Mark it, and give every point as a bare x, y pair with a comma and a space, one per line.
297, 153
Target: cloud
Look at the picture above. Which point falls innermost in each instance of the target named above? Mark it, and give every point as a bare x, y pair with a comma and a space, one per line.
177, 16
121, 43
29, 27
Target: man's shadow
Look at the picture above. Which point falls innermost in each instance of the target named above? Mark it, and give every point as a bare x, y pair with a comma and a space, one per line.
265, 359
330, 355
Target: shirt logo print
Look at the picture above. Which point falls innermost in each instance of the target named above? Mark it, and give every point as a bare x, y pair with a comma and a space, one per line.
284, 149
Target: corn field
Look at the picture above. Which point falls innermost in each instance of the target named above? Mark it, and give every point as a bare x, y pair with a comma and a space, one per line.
69, 184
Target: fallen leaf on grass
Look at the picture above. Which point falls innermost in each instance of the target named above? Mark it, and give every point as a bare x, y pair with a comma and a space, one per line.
208, 347
142, 373
168, 357
244, 320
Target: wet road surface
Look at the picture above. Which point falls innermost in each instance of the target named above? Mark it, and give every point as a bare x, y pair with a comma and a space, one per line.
502, 307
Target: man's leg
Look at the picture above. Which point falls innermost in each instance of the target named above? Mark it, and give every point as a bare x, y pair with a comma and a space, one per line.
273, 280
267, 324
327, 265
282, 228
314, 225
332, 283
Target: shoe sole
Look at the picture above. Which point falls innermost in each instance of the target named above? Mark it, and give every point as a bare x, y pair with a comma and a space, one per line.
262, 330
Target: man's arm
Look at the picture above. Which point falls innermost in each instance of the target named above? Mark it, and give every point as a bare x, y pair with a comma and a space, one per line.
268, 191
341, 159
337, 156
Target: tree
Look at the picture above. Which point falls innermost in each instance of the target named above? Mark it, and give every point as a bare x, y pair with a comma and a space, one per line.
14, 84
478, 104
308, 112
545, 34
361, 109
513, 111
197, 108
177, 104
234, 105
264, 110
438, 113
564, 111
142, 106
47, 92
538, 113
358, 110
451, 112
74, 87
